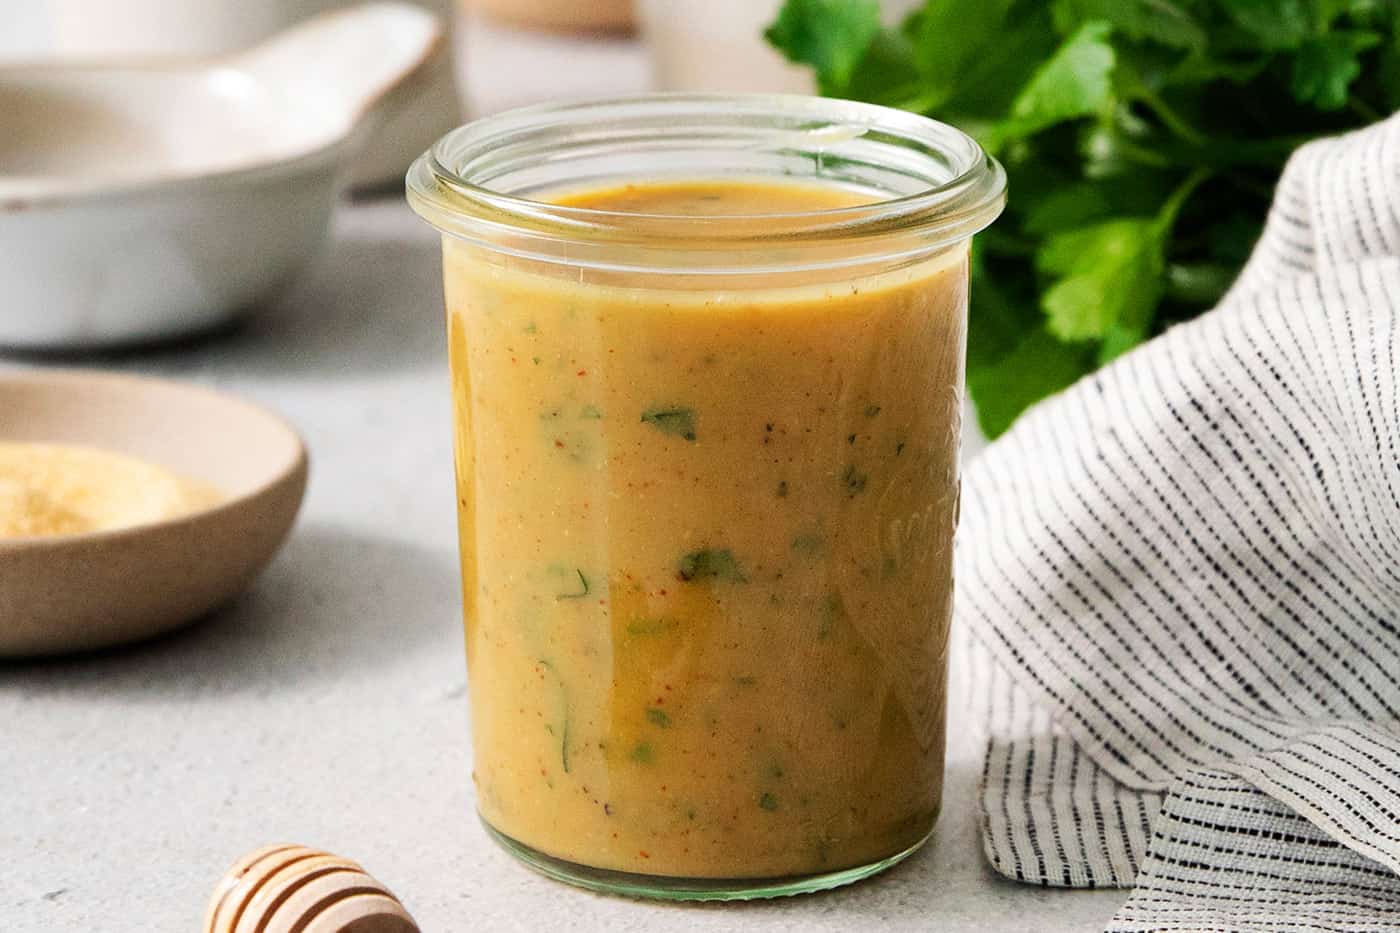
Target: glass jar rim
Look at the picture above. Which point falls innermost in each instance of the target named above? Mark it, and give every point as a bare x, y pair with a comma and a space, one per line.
449, 185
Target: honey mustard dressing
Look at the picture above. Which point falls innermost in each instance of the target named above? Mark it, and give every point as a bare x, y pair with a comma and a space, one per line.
706, 538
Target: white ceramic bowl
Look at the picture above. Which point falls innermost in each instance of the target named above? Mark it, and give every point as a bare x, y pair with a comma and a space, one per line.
142, 203
78, 31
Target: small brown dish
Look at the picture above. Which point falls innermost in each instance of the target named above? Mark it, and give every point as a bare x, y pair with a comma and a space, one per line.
85, 591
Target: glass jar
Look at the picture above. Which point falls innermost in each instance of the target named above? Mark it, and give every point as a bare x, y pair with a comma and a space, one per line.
707, 474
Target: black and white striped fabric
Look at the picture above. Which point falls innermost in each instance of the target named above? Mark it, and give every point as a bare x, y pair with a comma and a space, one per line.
1179, 592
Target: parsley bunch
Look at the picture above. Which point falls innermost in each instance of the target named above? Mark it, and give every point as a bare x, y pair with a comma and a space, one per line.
1142, 140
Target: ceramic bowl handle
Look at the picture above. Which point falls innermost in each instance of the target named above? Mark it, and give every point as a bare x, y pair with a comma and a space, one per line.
349, 59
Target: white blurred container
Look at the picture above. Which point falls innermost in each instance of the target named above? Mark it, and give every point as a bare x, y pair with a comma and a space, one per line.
560, 15
504, 65
718, 45
69, 31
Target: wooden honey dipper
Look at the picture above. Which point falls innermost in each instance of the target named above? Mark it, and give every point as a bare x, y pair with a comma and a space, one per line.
293, 889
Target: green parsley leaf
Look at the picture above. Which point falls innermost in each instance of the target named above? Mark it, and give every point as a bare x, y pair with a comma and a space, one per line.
1202, 283
677, 421
1103, 112
715, 564
886, 73
1109, 274
582, 591
1077, 81
1039, 366
1326, 66
830, 35
853, 480
562, 733
951, 36
1169, 22
1275, 24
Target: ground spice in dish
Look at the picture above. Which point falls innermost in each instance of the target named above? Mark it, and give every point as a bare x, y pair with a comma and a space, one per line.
52, 489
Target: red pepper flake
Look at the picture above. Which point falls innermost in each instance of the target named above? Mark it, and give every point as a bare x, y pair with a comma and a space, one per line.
558, 443
583, 372
644, 853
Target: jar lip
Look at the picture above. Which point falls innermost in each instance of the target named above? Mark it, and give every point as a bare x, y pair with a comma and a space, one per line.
445, 185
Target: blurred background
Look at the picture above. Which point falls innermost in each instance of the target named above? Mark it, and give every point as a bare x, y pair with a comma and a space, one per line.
1142, 138
504, 53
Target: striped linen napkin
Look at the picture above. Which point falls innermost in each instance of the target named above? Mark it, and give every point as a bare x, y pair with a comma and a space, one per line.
1178, 591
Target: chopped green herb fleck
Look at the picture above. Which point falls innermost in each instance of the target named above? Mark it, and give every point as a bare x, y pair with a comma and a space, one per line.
583, 581
536, 360
531, 328
658, 717
782, 489
677, 421
590, 412
564, 717
745, 681
872, 410
833, 611
899, 448
690, 814
650, 626
853, 480
718, 564
768, 802
643, 753
807, 543
850, 438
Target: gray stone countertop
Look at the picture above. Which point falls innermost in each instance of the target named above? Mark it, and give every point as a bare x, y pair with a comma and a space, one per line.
327, 706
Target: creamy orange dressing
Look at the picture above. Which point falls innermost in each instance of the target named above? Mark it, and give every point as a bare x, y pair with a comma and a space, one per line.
706, 540
706, 199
